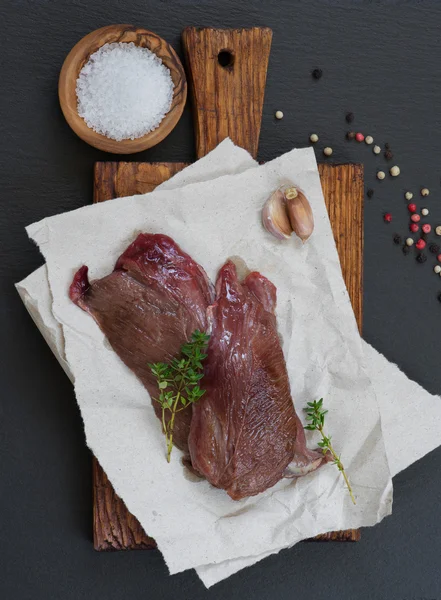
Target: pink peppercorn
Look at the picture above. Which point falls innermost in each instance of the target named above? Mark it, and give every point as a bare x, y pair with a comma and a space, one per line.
438, 257
414, 227
415, 218
412, 207
359, 137
421, 244
426, 228
388, 217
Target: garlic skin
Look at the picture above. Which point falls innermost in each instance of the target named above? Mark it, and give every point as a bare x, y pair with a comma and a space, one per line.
275, 217
300, 214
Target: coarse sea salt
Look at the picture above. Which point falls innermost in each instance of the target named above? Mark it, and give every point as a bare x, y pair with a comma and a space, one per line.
124, 91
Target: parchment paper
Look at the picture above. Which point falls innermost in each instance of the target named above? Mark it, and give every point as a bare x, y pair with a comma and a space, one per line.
193, 523
406, 439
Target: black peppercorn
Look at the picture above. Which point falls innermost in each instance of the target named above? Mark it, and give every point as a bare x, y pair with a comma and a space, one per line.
349, 117
317, 73
406, 250
397, 239
370, 193
350, 135
434, 248
421, 258
388, 155
387, 146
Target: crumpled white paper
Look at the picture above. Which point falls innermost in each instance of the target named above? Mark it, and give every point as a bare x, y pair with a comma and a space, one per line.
301, 380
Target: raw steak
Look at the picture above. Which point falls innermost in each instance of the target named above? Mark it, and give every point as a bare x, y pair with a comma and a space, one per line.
244, 432
148, 307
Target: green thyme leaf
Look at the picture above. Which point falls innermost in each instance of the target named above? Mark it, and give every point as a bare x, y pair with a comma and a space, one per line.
316, 415
181, 379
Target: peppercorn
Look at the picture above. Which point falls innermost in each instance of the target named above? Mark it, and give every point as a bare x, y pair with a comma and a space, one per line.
397, 239
388, 155
278, 114
370, 193
359, 137
415, 218
376, 149
409, 242
438, 230
368, 140
413, 227
406, 250
387, 217
434, 248
317, 73
425, 192
408, 195
381, 175
426, 228
349, 117
327, 151
394, 171
438, 258
387, 146
421, 244
437, 269
350, 135
421, 258
313, 138
412, 207
424, 212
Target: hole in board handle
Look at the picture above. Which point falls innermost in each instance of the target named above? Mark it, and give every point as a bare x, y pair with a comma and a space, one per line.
225, 58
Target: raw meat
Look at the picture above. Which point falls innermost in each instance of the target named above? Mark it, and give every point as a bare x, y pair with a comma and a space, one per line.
148, 307
245, 435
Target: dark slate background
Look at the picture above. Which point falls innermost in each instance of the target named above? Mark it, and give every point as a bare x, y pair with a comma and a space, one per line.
381, 61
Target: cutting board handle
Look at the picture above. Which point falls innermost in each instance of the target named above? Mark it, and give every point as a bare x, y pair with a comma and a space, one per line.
227, 75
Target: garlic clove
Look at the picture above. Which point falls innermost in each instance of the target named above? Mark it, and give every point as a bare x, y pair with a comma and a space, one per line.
275, 217
299, 213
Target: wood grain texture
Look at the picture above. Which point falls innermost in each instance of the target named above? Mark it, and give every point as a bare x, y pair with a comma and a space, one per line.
114, 527
80, 54
343, 190
227, 100
119, 179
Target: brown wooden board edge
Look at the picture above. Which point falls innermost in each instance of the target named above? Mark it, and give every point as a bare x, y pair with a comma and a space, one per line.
114, 527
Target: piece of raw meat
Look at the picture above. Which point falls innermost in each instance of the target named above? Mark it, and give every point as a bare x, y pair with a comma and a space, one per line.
245, 435
148, 307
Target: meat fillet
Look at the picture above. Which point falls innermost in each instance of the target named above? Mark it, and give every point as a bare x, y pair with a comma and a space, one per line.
148, 307
245, 435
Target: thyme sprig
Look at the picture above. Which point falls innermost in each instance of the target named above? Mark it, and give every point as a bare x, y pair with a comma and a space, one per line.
316, 415
178, 382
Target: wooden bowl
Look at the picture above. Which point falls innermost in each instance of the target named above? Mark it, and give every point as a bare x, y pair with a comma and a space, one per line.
80, 54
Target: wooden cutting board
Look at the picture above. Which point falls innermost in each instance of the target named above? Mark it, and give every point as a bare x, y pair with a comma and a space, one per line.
227, 74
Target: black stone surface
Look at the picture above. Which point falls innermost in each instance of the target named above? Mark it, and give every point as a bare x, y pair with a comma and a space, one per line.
381, 61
